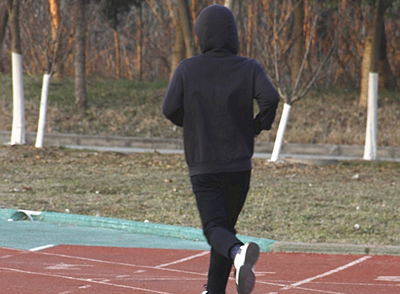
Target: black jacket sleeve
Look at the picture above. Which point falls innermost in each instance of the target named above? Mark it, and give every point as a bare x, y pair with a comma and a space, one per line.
267, 99
172, 106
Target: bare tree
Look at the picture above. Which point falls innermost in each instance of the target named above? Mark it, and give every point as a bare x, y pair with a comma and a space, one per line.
183, 46
55, 20
255, 26
284, 47
370, 150
298, 44
373, 48
387, 80
18, 124
81, 100
53, 66
229, 4
54, 7
184, 19
178, 52
3, 25
140, 41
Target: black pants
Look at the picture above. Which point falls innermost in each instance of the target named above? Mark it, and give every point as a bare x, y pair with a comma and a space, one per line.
220, 198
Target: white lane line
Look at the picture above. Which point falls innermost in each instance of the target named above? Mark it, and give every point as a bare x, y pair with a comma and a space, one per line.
183, 259
41, 248
363, 285
84, 280
300, 288
319, 291
121, 263
388, 278
360, 260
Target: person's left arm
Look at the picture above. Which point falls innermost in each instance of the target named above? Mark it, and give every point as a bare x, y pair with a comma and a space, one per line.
267, 99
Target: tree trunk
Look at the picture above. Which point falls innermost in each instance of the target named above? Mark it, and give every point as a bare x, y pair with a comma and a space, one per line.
229, 4
140, 42
43, 110
186, 27
298, 45
194, 19
365, 67
376, 36
54, 6
3, 26
371, 132
371, 62
80, 58
370, 149
281, 132
250, 21
178, 53
117, 55
386, 78
18, 123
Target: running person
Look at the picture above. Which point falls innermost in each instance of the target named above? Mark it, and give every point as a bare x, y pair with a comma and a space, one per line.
211, 96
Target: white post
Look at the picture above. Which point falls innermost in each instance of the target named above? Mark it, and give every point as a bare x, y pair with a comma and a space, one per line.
18, 122
370, 149
281, 132
43, 110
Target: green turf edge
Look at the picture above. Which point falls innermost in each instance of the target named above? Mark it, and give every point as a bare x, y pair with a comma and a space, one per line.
187, 233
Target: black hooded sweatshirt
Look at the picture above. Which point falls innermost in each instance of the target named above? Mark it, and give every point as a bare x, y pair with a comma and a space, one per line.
211, 97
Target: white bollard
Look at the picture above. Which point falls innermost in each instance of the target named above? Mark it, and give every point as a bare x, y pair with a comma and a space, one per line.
18, 121
370, 149
281, 132
43, 110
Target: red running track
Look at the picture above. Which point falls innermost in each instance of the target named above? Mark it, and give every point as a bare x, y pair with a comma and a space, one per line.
83, 269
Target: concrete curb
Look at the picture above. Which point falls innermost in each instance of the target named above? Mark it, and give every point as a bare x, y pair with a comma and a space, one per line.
335, 248
127, 144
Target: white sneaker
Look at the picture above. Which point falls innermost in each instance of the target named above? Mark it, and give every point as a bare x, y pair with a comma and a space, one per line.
244, 263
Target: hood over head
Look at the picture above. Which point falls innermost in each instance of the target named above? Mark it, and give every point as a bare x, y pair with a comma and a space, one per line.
216, 30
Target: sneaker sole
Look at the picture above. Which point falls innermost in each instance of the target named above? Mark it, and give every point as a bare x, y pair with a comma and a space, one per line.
246, 280
252, 253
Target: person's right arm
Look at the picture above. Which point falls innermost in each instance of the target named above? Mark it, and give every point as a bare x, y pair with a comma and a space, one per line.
172, 106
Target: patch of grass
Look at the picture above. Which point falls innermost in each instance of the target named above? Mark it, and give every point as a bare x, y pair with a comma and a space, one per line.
117, 108
130, 108
286, 202
323, 204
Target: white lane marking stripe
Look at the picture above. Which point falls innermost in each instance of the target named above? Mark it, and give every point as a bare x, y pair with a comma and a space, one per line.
320, 291
41, 247
84, 280
388, 278
300, 288
121, 263
362, 259
183, 259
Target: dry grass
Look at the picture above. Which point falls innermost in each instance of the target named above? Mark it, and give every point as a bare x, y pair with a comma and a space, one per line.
287, 202
127, 108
